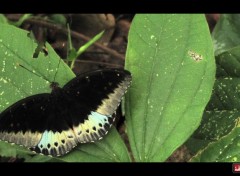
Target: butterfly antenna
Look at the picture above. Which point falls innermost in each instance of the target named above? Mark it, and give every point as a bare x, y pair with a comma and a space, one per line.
57, 70
33, 72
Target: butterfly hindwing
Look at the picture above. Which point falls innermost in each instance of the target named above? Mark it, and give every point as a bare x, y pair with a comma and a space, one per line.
93, 128
82, 111
37, 122
24, 122
56, 143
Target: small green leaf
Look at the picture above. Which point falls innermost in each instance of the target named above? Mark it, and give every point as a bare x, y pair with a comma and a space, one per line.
227, 149
21, 20
3, 19
85, 47
173, 69
58, 19
228, 63
72, 53
7, 150
226, 33
89, 43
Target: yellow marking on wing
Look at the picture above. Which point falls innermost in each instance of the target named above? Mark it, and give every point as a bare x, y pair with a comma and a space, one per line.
109, 105
27, 139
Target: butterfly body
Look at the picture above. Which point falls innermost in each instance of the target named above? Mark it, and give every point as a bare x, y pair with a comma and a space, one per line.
54, 123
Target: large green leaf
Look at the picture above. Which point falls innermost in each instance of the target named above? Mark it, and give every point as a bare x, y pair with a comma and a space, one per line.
226, 33
21, 75
222, 112
17, 82
224, 150
194, 145
223, 108
109, 149
172, 64
216, 123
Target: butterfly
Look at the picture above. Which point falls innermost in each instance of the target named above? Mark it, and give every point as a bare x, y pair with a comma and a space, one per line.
81, 111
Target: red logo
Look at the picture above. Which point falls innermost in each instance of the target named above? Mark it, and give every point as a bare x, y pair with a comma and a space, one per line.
236, 167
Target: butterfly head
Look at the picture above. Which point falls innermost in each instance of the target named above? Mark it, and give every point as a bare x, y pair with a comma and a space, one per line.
54, 86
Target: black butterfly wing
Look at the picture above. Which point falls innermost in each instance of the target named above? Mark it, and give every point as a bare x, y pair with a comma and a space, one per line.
18, 125
54, 123
96, 96
38, 122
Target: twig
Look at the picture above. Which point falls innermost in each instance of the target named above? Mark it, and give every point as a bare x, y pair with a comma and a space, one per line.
73, 34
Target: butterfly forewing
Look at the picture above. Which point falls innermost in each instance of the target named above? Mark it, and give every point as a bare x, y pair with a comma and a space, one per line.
100, 90
97, 102
53, 124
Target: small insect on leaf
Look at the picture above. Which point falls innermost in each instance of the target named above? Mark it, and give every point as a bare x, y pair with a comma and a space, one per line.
195, 56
